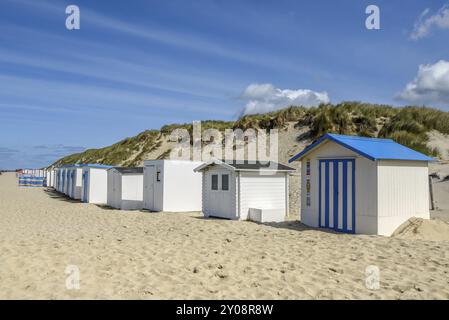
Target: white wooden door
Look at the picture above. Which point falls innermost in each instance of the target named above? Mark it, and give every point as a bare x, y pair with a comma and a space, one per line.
149, 178
221, 201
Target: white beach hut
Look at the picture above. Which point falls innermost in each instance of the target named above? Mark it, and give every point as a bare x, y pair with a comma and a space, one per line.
171, 185
69, 171
53, 177
362, 185
58, 181
67, 180
75, 182
63, 180
50, 176
95, 183
125, 188
245, 190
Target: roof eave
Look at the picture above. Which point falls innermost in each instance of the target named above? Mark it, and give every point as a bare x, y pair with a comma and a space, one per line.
214, 162
308, 149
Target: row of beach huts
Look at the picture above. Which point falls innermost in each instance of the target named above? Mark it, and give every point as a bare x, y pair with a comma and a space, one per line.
349, 184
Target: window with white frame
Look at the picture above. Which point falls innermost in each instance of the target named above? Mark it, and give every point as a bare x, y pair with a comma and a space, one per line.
214, 182
225, 182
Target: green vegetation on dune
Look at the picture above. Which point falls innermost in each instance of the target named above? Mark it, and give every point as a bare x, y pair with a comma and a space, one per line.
205, 125
407, 125
119, 153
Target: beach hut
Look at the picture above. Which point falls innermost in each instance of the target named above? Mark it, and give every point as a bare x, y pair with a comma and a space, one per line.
245, 190
49, 175
69, 180
66, 177
362, 185
61, 179
75, 181
95, 183
52, 178
171, 185
58, 180
125, 188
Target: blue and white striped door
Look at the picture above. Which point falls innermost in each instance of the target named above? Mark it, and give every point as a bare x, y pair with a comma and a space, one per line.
337, 194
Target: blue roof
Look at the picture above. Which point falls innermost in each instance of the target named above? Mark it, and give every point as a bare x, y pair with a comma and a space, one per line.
96, 165
90, 165
371, 148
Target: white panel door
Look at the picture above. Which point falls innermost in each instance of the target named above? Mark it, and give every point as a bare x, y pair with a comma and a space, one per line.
150, 173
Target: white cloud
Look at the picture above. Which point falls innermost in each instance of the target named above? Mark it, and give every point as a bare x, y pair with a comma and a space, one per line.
262, 98
425, 23
431, 85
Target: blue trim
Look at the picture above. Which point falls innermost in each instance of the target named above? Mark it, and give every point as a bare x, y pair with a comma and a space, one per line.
72, 193
335, 176
63, 180
326, 210
353, 196
345, 195
96, 166
319, 194
307, 149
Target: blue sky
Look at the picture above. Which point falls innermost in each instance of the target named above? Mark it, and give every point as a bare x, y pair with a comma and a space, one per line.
137, 65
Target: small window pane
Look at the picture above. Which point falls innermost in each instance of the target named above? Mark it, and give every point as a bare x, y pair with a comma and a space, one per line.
225, 182
214, 182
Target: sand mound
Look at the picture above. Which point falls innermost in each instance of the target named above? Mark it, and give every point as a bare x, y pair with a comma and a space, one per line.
416, 228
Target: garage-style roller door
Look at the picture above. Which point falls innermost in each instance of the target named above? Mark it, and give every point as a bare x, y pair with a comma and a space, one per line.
337, 194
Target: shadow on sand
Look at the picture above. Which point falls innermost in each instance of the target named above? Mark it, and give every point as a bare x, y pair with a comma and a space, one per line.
294, 225
105, 207
52, 193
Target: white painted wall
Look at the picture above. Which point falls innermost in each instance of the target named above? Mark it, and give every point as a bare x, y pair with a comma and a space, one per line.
50, 175
76, 184
403, 192
97, 188
66, 179
56, 179
179, 188
114, 188
69, 181
132, 192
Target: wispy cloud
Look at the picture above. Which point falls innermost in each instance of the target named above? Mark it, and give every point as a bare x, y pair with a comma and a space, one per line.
87, 97
35, 156
8, 152
60, 148
426, 23
187, 41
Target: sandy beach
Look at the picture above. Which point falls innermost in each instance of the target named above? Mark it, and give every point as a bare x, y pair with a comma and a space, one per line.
142, 255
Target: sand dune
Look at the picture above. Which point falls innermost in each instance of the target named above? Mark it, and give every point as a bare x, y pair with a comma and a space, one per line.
144, 255
417, 228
